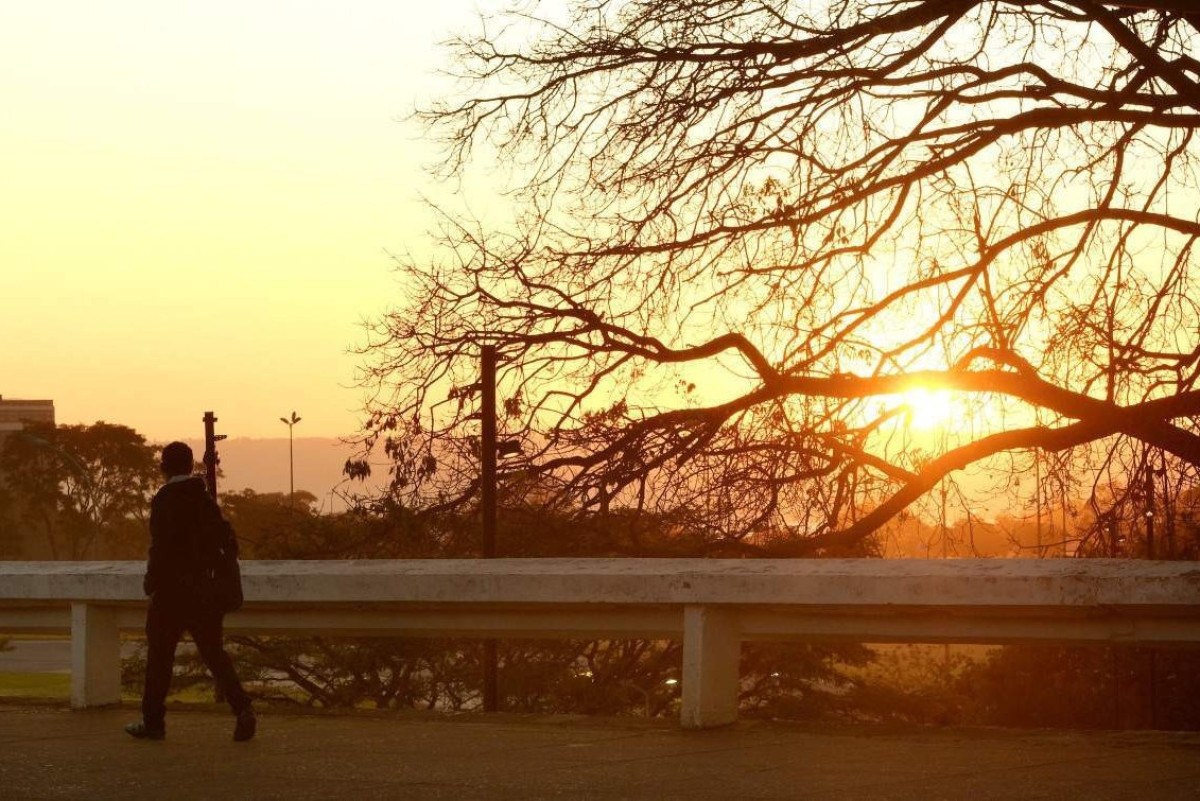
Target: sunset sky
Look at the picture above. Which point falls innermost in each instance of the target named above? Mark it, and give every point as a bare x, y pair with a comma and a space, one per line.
198, 201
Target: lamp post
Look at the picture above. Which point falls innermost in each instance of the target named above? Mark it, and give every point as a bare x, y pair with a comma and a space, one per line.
490, 449
487, 504
211, 459
85, 478
76, 465
291, 459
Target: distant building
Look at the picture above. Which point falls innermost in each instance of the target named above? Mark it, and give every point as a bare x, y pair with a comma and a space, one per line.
14, 415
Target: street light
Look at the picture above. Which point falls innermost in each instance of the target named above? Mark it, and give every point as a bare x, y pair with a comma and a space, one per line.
85, 478
291, 459
80, 470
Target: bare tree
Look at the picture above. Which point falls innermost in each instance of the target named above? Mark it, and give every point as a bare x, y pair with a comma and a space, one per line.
739, 232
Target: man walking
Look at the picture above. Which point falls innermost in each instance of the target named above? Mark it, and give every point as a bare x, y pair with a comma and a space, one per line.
184, 522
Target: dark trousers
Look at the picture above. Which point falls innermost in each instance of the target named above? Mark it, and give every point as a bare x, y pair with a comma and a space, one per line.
165, 624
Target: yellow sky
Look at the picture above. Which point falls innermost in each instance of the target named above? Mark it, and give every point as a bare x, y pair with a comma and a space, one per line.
196, 199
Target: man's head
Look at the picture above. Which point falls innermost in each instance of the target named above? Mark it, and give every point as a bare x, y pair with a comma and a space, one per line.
177, 460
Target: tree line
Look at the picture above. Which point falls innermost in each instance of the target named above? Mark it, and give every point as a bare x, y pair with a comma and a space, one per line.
1017, 685
730, 239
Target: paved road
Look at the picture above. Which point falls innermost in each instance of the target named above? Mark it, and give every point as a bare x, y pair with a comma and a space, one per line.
48, 656
36, 656
52, 753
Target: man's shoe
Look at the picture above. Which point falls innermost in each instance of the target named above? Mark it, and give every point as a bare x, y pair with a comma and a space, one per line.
140, 731
246, 725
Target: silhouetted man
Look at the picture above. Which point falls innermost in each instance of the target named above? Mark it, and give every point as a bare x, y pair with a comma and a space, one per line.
182, 517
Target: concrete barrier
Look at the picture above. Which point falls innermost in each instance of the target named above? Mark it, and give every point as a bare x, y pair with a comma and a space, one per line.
712, 605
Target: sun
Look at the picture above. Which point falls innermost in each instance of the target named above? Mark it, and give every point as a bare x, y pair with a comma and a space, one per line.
928, 409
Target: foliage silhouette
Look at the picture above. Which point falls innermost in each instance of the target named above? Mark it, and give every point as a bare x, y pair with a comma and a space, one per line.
736, 231
84, 488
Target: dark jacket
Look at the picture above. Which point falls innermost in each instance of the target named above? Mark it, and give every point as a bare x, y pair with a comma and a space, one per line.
186, 528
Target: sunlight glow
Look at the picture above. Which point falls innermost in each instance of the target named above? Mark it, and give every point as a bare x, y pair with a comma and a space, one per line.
928, 409
199, 202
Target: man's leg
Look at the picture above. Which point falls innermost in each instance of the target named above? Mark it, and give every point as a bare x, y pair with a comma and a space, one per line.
208, 632
206, 629
162, 635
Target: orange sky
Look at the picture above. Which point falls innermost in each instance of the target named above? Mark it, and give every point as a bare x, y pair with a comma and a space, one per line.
197, 200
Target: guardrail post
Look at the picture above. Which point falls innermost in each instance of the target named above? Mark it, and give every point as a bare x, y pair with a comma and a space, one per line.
711, 651
95, 656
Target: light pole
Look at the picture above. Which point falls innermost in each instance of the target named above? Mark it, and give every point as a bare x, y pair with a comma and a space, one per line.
80, 470
211, 459
85, 479
291, 459
487, 506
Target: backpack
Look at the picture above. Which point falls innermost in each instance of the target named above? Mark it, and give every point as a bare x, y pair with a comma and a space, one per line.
219, 584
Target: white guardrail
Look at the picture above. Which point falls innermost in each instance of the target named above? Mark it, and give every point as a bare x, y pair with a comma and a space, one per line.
712, 605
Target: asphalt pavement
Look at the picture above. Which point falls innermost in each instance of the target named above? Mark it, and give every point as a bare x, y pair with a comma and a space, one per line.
36, 656
50, 752
54, 655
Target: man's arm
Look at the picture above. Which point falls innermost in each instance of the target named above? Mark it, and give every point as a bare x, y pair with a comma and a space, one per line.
221, 528
153, 577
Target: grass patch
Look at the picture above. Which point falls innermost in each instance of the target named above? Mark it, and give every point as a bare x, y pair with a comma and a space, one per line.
26, 636
57, 686
35, 685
